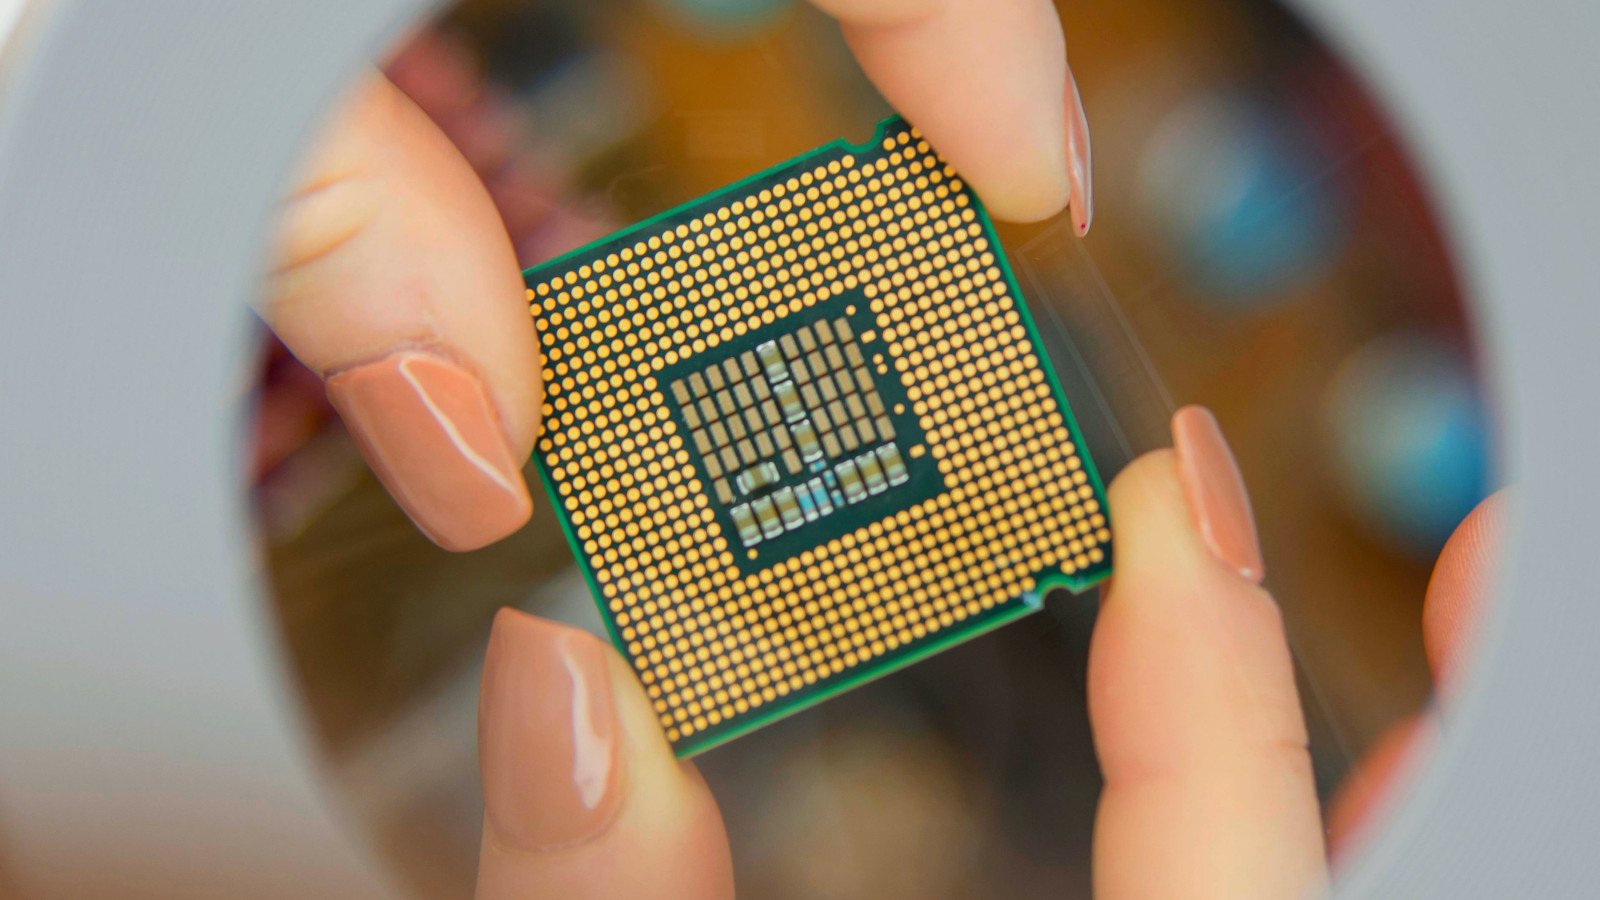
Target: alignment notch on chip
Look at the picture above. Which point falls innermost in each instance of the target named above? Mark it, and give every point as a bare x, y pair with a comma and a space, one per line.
801, 432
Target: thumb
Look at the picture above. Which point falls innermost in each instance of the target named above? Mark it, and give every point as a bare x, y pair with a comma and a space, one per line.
1208, 785
582, 796
396, 282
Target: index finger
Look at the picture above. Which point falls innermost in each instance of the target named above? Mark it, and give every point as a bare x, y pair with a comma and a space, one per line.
1208, 784
396, 282
1460, 585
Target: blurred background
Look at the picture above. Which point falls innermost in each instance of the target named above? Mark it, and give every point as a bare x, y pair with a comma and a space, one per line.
1261, 245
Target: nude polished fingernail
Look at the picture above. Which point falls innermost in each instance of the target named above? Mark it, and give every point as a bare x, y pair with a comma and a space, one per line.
547, 734
1080, 174
427, 428
1216, 493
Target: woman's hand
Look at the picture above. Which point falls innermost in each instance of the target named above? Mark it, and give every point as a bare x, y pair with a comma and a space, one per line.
1208, 783
1192, 699
395, 281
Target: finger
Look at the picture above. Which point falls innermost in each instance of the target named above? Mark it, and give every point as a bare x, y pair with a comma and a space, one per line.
396, 282
583, 797
1361, 798
1457, 591
1208, 785
1460, 585
988, 84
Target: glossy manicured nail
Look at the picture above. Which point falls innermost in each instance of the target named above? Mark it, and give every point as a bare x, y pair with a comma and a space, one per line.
427, 428
547, 734
1216, 493
1080, 172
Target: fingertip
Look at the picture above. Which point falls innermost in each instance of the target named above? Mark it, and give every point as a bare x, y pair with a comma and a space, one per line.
547, 734
984, 82
1017, 167
1080, 168
1155, 521
1215, 488
1184, 629
426, 426
523, 425
1024, 194
877, 13
582, 794
1148, 473
396, 281
1192, 698
1370, 787
1460, 584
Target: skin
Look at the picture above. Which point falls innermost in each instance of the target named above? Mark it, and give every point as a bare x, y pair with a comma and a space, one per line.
390, 244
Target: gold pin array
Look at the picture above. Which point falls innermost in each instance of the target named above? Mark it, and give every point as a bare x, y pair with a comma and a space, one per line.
710, 643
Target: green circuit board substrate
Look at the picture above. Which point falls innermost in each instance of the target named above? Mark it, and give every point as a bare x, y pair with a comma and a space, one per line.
801, 432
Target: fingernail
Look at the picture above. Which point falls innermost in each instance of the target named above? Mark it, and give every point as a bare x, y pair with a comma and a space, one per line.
547, 734
1216, 492
427, 428
1080, 170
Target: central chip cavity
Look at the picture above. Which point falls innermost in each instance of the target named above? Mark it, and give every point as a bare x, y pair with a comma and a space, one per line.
801, 430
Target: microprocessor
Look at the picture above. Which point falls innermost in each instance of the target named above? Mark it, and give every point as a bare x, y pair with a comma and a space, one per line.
802, 432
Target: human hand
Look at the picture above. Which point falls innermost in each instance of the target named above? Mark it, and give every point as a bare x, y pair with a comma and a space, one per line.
395, 282
1197, 724
1192, 699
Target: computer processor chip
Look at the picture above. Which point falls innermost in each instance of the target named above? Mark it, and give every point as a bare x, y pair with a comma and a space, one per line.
801, 432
